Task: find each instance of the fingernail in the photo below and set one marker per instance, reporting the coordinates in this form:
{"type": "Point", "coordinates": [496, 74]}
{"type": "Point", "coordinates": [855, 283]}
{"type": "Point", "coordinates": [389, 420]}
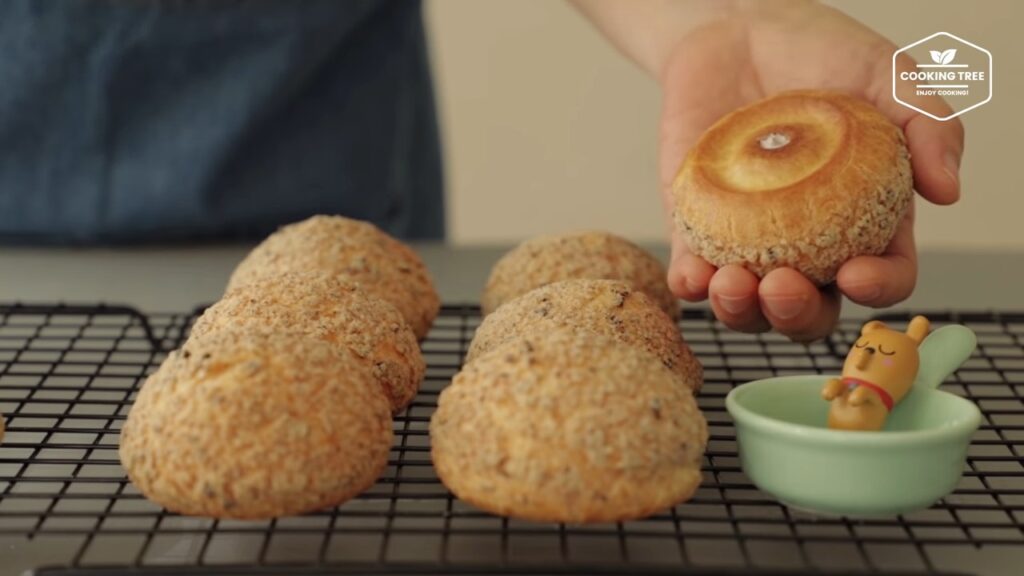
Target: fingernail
{"type": "Point", "coordinates": [785, 308]}
{"type": "Point", "coordinates": [734, 304]}
{"type": "Point", "coordinates": [693, 286]}
{"type": "Point", "coordinates": [865, 292]}
{"type": "Point", "coordinates": [951, 165]}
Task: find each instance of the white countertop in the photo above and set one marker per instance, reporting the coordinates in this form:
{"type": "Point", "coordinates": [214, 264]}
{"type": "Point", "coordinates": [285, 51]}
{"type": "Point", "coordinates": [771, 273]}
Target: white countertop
{"type": "Point", "coordinates": [175, 279]}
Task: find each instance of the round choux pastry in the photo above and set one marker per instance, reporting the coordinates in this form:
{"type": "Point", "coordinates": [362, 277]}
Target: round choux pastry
{"type": "Point", "coordinates": [349, 250]}
{"type": "Point", "coordinates": [568, 426]}
{"type": "Point", "coordinates": [256, 425]}
{"type": "Point", "coordinates": [609, 307]}
{"type": "Point", "coordinates": [329, 309]}
{"type": "Point", "coordinates": [805, 179]}
{"type": "Point", "coordinates": [596, 255]}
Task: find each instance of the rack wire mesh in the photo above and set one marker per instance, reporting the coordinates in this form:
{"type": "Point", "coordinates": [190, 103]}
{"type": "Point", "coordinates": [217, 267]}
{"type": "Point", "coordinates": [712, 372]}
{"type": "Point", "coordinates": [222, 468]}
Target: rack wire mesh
{"type": "Point", "coordinates": [68, 375]}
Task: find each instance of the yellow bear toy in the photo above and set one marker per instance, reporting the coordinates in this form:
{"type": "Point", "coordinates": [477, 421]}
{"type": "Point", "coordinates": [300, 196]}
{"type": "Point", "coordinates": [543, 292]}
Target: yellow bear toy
{"type": "Point", "coordinates": [877, 374]}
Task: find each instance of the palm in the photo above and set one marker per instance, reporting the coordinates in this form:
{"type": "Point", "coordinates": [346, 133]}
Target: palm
{"type": "Point", "coordinates": [751, 56]}
{"type": "Point", "coordinates": [728, 65]}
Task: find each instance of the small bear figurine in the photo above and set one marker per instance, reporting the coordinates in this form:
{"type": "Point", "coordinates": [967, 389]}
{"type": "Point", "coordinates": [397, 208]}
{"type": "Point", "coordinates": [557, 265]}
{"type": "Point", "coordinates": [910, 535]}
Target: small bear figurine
{"type": "Point", "coordinates": [877, 374]}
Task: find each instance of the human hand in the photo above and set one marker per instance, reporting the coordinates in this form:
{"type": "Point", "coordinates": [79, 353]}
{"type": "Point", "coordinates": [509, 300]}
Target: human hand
{"type": "Point", "coordinates": [760, 49]}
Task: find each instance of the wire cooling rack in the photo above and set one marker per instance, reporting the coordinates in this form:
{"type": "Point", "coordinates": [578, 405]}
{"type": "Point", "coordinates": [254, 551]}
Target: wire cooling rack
{"type": "Point", "coordinates": [68, 375]}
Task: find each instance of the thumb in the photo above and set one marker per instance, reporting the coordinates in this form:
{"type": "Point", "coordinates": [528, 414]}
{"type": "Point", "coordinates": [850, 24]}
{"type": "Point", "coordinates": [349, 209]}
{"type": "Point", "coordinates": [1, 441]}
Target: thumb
{"type": "Point", "coordinates": [935, 151]}
{"type": "Point", "coordinates": [935, 146]}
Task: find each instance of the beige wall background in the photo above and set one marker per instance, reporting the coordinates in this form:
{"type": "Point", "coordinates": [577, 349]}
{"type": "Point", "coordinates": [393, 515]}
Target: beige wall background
{"type": "Point", "coordinates": [547, 128]}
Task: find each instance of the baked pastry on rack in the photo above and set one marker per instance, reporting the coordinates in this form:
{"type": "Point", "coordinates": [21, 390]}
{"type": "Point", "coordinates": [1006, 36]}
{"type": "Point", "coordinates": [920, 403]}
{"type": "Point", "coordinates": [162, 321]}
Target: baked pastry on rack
{"type": "Point", "coordinates": [609, 307]}
{"type": "Point", "coordinates": [332, 310]}
{"type": "Point", "coordinates": [806, 180]}
{"type": "Point", "coordinates": [350, 250]}
{"type": "Point", "coordinates": [249, 424]}
{"type": "Point", "coordinates": [568, 426]}
{"type": "Point", "coordinates": [596, 255]}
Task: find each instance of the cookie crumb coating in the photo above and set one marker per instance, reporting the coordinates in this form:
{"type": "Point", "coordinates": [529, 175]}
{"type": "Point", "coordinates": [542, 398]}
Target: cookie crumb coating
{"type": "Point", "coordinates": [351, 250]}
{"type": "Point", "coordinates": [332, 310]}
{"type": "Point", "coordinates": [256, 425]}
{"type": "Point", "coordinates": [609, 307]}
{"type": "Point", "coordinates": [594, 255]}
{"type": "Point", "coordinates": [568, 426]}
{"type": "Point", "coordinates": [835, 186]}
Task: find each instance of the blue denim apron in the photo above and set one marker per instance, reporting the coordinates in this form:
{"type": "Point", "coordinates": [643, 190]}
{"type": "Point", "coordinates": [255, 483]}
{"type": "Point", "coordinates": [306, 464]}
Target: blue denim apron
{"type": "Point", "coordinates": [158, 120]}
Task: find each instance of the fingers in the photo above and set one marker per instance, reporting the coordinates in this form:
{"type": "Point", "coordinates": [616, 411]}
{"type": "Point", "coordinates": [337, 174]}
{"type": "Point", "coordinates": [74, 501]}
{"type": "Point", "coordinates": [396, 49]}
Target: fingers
{"type": "Point", "coordinates": [733, 295]}
{"type": "Point", "coordinates": [796, 307]}
{"type": "Point", "coordinates": [784, 299]}
{"type": "Point", "coordinates": [880, 281]}
{"type": "Point", "coordinates": [935, 146]}
{"type": "Point", "coordinates": [688, 274]}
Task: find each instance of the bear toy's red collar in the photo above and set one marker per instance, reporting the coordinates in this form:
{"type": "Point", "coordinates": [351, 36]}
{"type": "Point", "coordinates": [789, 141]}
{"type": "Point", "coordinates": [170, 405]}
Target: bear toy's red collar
{"type": "Point", "coordinates": [882, 392]}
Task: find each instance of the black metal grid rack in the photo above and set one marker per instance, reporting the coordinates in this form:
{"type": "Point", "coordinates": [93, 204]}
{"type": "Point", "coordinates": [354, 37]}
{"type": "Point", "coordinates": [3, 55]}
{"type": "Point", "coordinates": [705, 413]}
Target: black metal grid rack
{"type": "Point", "coordinates": [68, 376]}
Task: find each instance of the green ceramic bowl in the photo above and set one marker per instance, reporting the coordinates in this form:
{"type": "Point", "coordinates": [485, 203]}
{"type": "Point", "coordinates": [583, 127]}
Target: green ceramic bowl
{"type": "Point", "coordinates": [788, 451]}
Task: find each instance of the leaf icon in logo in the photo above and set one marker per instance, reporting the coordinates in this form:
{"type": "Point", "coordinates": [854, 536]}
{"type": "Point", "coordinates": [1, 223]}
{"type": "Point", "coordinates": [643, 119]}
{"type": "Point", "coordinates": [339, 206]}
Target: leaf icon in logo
{"type": "Point", "coordinates": [944, 57]}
